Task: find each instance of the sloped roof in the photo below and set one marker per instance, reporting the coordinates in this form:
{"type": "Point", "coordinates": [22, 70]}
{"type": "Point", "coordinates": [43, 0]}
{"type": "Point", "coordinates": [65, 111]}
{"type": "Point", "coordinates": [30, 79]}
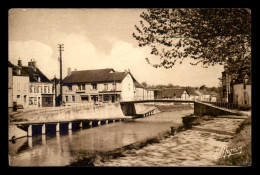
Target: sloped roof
{"type": "Point", "coordinates": [98, 75]}
{"type": "Point", "coordinates": [191, 91]}
{"type": "Point", "coordinates": [33, 75]}
{"type": "Point", "coordinates": [203, 91]}
{"type": "Point", "coordinates": [137, 84]}
{"type": "Point", "coordinates": [240, 78]}
{"type": "Point", "coordinates": [10, 64]}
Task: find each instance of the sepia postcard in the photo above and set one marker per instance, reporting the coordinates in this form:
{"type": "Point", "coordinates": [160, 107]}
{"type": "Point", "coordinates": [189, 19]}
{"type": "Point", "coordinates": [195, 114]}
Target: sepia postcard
{"type": "Point", "coordinates": [122, 87]}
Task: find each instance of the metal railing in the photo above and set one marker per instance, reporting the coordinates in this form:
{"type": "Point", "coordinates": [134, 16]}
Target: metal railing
{"type": "Point", "coordinates": [224, 104]}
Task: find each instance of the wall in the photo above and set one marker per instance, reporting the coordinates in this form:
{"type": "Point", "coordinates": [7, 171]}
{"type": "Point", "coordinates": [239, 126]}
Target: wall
{"type": "Point", "coordinates": [68, 113]}
{"type": "Point", "coordinates": [239, 94]}
{"type": "Point", "coordinates": [21, 88]}
{"type": "Point", "coordinates": [127, 93]}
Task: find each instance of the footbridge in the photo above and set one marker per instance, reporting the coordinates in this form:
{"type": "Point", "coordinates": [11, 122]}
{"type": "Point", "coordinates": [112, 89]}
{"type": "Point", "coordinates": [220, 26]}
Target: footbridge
{"type": "Point", "coordinates": [200, 108]}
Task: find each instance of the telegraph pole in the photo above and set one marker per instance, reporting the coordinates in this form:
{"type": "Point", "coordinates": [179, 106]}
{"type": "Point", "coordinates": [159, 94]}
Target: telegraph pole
{"type": "Point", "coordinates": [61, 48]}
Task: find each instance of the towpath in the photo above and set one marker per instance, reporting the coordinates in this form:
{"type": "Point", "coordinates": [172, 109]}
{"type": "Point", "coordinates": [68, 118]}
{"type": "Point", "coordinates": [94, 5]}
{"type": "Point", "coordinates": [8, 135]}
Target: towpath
{"type": "Point", "coordinates": [199, 146]}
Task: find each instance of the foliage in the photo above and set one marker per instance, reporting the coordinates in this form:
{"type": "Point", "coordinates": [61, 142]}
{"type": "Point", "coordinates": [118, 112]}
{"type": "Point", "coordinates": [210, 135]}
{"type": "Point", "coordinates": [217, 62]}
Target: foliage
{"type": "Point", "coordinates": [208, 36]}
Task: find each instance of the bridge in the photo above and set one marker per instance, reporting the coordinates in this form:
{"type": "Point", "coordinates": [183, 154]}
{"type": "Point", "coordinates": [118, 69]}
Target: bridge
{"type": "Point", "coordinates": [127, 108]}
{"type": "Point", "coordinates": [200, 108]}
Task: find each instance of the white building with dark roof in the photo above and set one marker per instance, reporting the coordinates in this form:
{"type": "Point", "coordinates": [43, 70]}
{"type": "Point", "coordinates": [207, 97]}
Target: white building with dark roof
{"type": "Point", "coordinates": [98, 86]}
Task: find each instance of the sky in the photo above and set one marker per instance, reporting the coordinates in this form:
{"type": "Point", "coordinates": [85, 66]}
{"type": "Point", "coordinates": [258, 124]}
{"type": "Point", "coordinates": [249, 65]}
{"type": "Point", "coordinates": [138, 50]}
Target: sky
{"type": "Point", "coordinates": [94, 39]}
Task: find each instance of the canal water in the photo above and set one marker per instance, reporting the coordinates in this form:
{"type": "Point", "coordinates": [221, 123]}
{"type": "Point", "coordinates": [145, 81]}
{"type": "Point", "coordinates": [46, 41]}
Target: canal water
{"type": "Point", "coordinates": [61, 149]}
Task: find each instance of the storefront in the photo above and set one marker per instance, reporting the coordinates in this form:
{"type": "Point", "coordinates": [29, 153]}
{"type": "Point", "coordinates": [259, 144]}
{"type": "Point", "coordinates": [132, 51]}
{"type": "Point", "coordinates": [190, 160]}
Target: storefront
{"type": "Point", "coordinates": [47, 100]}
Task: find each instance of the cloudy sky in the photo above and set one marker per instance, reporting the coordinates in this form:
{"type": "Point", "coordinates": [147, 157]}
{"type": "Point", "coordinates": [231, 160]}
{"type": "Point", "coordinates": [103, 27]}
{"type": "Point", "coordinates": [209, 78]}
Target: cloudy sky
{"type": "Point", "coordinates": [93, 39]}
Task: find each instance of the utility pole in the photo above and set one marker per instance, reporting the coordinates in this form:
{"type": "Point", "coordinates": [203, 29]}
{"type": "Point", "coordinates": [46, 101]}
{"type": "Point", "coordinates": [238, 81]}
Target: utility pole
{"type": "Point", "coordinates": [61, 48]}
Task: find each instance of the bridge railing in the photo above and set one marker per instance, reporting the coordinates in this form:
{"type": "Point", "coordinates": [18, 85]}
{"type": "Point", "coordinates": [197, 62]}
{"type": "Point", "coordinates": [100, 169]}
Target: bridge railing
{"type": "Point", "coordinates": [224, 105]}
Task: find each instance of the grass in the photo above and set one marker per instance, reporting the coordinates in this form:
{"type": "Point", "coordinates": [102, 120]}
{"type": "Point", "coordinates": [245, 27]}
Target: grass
{"type": "Point", "coordinates": [243, 138]}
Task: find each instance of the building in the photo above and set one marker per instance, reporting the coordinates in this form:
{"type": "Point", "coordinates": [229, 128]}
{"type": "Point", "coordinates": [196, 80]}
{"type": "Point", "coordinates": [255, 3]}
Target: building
{"type": "Point", "coordinates": [204, 95]}
{"type": "Point", "coordinates": [20, 86]}
{"type": "Point", "coordinates": [236, 87]}
{"type": "Point", "coordinates": [98, 86]}
{"type": "Point", "coordinates": [193, 94]}
{"type": "Point", "coordinates": [242, 90]}
{"type": "Point", "coordinates": [10, 87]}
{"type": "Point", "coordinates": [172, 93]}
{"type": "Point", "coordinates": [31, 88]}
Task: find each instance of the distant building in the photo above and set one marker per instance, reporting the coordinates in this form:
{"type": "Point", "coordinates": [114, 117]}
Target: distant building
{"type": "Point", "coordinates": [204, 95]}
{"type": "Point", "coordinates": [172, 93]}
{"type": "Point", "coordinates": [193, 94]}
{"type": "Point", "coordinates": [31, 88]}
{"type": "Point", "coordinates": [99, 86]}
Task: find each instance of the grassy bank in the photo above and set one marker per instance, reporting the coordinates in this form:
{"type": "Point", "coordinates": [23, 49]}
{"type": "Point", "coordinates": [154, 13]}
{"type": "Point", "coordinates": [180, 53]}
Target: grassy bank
{"type": "Point", "coordinates": [242, 138]}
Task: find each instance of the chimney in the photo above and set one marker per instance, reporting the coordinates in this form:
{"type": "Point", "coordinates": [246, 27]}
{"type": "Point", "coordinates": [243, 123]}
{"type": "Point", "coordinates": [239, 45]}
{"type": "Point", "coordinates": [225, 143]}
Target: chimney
{"type": "Point", "coordinates": [19, 63]}
{"type": "Point", "coordinates": [32, 64]}
{"type": "Point", "coordinates": [75, 69]}
{"type": "Point", "coordinates": [69, 71]}
{"type": "Point", "coordinates": [39, 79]}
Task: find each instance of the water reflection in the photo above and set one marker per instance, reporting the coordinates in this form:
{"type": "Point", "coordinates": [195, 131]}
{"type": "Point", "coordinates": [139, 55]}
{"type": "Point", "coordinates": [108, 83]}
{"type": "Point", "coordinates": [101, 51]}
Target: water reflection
{"type": "Point", "coordinates": [63, 148]}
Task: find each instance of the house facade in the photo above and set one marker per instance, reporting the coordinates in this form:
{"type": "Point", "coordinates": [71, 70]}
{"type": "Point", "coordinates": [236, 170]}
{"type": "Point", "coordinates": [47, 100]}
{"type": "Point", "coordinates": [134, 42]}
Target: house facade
{"type": "Point", "coordinates": [98, 86]}
{"type": "Point", "coordinates": [236, 87]}
{"type": "Point", "coordinates": [193, 94]}
{"type": "Point", "coordinates": [242, 90]}
{"type": "Point", "coordinates": [31, 88]}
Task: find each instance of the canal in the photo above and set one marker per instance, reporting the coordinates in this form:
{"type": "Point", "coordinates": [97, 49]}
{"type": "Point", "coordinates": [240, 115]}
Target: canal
{"type": "Point", "coordinates": [64, 148]}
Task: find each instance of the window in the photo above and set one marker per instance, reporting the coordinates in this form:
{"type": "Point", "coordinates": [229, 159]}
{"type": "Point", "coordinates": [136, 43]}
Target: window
{"type": "Point", "coordinates": [73, 98]}
{"type": "Point", "coordinates": [105, 87]}
{"type": "Point", "coordinates": [81, 86]}
{"type": "Point", "coordinates": [31, 101]}
{"type": "Point", "coordinates": [45, 89]}
{"type": "Point", "coordinates": [66, 98]}
{"type": "Point", "coordinates": [94, 86]}
{"type": "Point", "coordinates": [34, 87]}
{"type": "Point", "coordinates": [70, 87]}
{"type": "Point", "coordinates": [18, 96]}
{"type": "Point", "coordinates": [106, 98]}
{"type": "Point", "coordinates": [37, 89]}
{"type": "Point", "coordinates": [35, 100]}
{"type": "Point", "coordinates": [84, 98]}
{"type": "Point", "coordinates": [114, 86]}
{"type": "Point", "coordinates": [24, 97]}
